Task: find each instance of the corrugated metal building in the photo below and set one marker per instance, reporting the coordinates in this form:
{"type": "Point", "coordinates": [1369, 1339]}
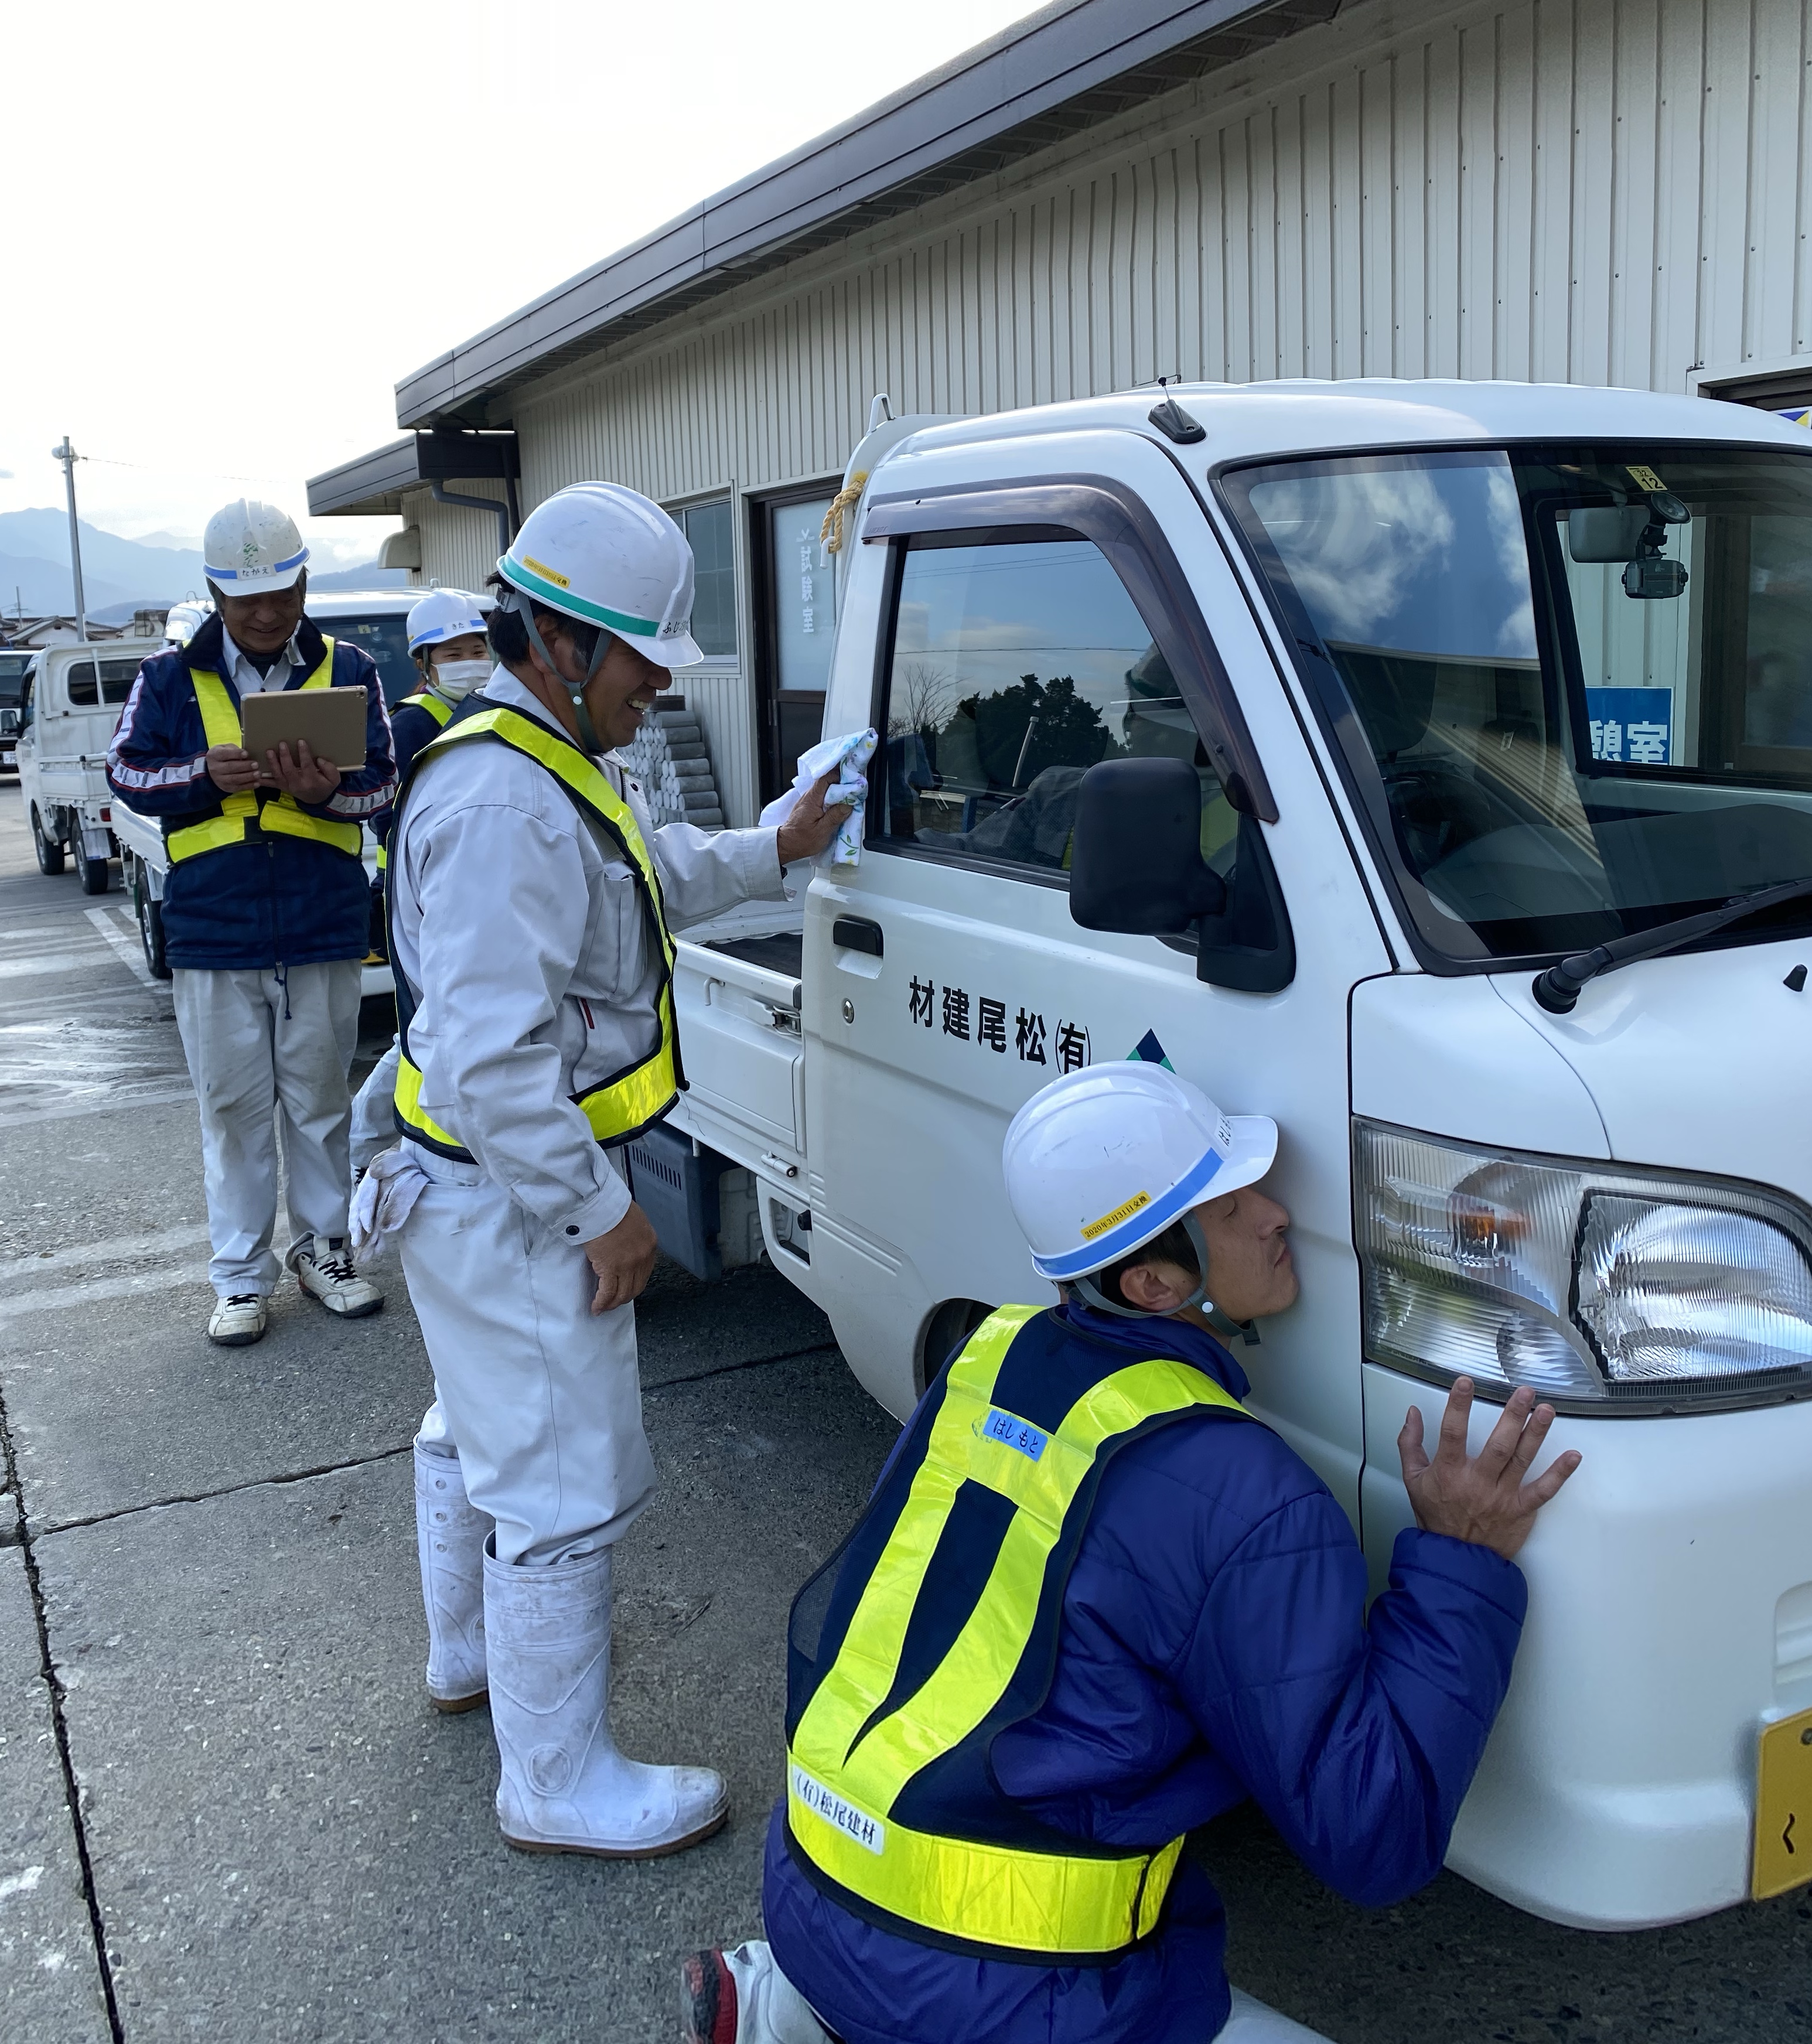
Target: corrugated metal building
{"type": "Point", "coordinates": [1590, 191]}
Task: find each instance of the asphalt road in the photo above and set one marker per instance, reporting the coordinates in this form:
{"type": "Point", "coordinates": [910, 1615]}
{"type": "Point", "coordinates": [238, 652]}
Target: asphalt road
{"type": "Point", "coordinates": [226, 1811]}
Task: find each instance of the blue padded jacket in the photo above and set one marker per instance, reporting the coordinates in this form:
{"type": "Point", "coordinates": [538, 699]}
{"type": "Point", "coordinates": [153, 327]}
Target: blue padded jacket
{"type": "Point", "coordinates": [1215, 1645]}
{"type": "Point", "coordinates": [274, 900]}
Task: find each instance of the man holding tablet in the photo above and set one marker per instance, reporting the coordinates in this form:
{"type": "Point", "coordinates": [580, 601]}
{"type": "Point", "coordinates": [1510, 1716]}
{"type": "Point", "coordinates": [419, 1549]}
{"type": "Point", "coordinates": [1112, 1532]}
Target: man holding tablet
{"type": "Point", "coordinates": [266, 907]}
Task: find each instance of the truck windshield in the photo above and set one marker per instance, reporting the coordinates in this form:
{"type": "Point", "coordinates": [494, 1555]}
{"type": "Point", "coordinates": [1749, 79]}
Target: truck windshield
{"type": "Point", "coordinates": [1573, 686]}
{"type": "Point", "coordinates": [13, 668]}
{"type": "Point", "coordinates": [387, 640]}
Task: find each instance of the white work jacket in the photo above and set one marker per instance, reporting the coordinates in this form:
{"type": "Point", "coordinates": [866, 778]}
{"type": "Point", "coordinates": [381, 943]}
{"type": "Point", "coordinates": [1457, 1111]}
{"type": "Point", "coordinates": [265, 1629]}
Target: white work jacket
{"type": "Point", "coordinates": [520, 927]}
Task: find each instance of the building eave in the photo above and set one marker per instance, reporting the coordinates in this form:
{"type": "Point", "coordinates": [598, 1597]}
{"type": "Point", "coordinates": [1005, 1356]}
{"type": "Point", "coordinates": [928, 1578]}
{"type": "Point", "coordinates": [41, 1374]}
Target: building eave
{"type": "Point", "coordinates": [1062, 70]}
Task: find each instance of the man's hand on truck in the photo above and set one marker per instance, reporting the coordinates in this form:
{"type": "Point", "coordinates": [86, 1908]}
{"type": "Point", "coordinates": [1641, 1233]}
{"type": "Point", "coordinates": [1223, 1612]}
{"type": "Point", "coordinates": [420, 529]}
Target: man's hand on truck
{"type": "Point", "coordinates": [1482, 1498]}
{"type": "Point", "coordinates": [623, 1260]}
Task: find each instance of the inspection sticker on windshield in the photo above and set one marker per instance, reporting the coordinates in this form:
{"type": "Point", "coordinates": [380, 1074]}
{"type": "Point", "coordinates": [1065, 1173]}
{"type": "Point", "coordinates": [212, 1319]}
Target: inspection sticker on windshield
{"type": "Point", "coordinates": [1644, 479]}
{"type": "Point", "coordinates": [1029, 1440]}
{"type": "Point", "coordinates": [866, 1831]}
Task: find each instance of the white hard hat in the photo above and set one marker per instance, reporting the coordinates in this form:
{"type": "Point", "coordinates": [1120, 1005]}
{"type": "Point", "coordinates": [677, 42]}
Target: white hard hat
{"type": "Point", "coordinates": [186, 619]}
{"type": "Point", "coordinates": [249, 548]}
{"type": "Point", "coordinates": [1103, 1161]}
{"type": "Point", "coordinates": [613, 558]}
{"type": "Point", "coordinates": [441, 615]}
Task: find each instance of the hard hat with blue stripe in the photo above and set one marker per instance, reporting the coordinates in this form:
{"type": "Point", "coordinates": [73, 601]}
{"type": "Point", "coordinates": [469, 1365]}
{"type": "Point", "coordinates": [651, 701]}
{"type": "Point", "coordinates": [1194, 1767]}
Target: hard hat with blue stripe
{"type": "Point", "coordinates": [249, 548]}
{"type": "Point", "coordinates": [443, 614]}
{"type": "Point", "coordinates": [1103, 1161]}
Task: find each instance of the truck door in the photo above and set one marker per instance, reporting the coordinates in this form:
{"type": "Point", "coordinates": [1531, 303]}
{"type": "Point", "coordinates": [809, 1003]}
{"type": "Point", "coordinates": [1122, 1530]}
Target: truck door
{"type": "Point", "coordinates": [1026, 629]}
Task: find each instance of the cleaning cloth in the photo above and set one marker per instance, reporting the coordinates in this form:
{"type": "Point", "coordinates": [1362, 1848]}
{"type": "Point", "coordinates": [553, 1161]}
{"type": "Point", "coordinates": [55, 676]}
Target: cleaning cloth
{"type": "Point", "coordinates": [849, 756]}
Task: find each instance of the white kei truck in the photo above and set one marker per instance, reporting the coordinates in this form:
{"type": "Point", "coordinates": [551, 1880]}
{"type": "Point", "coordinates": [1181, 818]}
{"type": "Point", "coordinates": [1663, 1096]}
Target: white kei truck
{"type": "Point", "coordinates": [1429, 768]}
{"type": "Point", "coordinates": [71, 700]}
{"type": "Point", "coordinates": [375, 621]}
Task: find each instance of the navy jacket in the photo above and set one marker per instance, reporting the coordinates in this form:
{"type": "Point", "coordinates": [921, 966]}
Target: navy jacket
{"type": "Point", "coordinates": [271, 902]}
{"type": "Point", "coordinates": [1215, 1645]}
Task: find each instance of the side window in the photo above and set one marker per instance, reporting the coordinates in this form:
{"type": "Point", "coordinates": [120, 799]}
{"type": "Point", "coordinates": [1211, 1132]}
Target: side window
{"type": "Point", "coordinates": [83, 692]}
{"type": "Point", "coordinates": [116, 679]}
{"type": "Point", "coordinates": [1018, 661]}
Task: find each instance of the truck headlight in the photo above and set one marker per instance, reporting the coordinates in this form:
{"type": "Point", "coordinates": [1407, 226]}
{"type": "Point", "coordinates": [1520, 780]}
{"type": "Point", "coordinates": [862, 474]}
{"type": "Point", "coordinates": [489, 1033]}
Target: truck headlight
{"type": "Point", "coordinates": [1588, 1282]}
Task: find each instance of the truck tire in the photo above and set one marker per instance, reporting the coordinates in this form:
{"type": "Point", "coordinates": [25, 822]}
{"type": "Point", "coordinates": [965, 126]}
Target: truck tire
{"type": "Point", "coordinates": [49, 850]}
{"type": "Point", "coordinates": [150, 929]}
{"type": "Point", "coordinates": [95, 874]}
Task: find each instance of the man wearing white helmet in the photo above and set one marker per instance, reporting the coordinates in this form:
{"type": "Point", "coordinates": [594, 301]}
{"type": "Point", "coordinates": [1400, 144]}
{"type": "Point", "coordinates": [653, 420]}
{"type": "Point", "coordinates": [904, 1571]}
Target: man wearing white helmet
{"type": "Point", "coordinates": [266, 910]}
{"type": "Point", "coordinates": [446, 642]}
{"type": "Point", "coordinates": [1094, 1603]}
{"type": "Point", "coordinates": [531, 906]}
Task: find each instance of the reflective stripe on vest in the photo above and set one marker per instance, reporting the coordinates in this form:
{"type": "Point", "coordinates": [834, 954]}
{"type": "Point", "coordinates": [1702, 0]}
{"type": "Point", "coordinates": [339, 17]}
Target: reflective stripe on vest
{"type": "Point", "coordinates": [621, 1106]}
{"type": "Point", "coordinates": [426, 699]}
{"type": "Point", "coordinates": [856, 1749]}
{"type": "Point", "coordinates": [281, 813]}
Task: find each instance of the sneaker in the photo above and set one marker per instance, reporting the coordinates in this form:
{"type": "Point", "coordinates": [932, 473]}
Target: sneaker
{"type": "Point", "coordinates": [326, 1271]}
{"type": "Point", "coordinates": [237, 1322]}
{"type": "Point", "coordinates": [708, 2000]}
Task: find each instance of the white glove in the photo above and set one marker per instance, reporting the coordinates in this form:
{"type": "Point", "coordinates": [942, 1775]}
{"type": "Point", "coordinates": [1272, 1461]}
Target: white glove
{"type": "Point", "coordinates": [386, 1195]}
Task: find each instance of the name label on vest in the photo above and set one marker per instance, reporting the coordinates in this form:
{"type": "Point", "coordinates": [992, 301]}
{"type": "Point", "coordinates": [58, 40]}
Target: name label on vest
{"type": "Point", "coordinates": [1015, 1433]}
{"type": "Point", "coordinates": [866, 1831]}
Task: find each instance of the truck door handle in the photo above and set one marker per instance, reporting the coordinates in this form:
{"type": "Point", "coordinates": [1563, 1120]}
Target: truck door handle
{"type": "Point", "coordinates": [857, 933]}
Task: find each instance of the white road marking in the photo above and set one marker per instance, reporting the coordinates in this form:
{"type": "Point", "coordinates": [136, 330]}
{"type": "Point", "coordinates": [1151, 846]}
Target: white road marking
{"type": "Point", "coordinates": [113, 1104]}
{"type": "Point", "coordinates": [62, 1298]}
{"type": "Point", "coordinates": [132, 955]}
{"type": "Point", "coordinates": [84, 960]}
{"type": "Point", "coordinates": [116, 1249]}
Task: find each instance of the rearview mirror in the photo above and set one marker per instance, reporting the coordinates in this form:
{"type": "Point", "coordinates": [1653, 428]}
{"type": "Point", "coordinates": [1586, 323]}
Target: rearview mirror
{"type": "Point", "coordinates": [1612, 532]}
{"type": "Point", "coordinates": [1136, 862]}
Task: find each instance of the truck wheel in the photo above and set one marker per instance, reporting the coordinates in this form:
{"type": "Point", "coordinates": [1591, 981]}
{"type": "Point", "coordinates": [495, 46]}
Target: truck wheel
{"type": "Point", "coordinates": [49, 851]}
{"type": "Point", "coordinates": [95, 874]}
{"type": "Point", "coordinates": [150, 929]}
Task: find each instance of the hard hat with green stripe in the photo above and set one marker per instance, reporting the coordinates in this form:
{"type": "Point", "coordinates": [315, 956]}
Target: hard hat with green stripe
{"type": "Point", "coordinates": [609, 557]}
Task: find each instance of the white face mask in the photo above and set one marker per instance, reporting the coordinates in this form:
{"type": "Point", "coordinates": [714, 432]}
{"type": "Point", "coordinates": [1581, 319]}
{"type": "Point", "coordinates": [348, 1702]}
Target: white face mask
{"type": "Point", "coordinates": [455, 679]}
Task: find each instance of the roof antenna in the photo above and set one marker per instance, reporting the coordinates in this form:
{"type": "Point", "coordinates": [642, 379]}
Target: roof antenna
{"type": "Point", "coordinates": [1173, 422]}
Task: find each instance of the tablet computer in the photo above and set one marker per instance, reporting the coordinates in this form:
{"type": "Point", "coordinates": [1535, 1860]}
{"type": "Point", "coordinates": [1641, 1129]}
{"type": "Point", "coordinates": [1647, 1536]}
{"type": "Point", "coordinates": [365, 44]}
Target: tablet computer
{"type": "Point", "coordinates": [332, 720]}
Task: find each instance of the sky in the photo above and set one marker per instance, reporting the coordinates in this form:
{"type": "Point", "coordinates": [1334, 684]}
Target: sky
{"type": "Point", "coordinates": [247, 225]}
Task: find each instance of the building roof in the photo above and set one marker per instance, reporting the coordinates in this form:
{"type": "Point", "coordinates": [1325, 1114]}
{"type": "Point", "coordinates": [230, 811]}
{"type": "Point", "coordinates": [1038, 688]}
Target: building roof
{"type": "Point", "coordinates": [1063, 69]}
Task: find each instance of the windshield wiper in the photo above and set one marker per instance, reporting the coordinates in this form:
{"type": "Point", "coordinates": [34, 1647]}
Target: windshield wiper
{"type": "Point", "coordinates": [1557, 989]}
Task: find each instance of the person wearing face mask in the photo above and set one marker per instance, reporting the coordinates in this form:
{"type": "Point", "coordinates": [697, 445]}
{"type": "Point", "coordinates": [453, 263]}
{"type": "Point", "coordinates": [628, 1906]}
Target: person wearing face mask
{"type": "Point", "coordinates": [446, 642]}
{"type": "Point", "coordinates": [531, 908]}
{"type": "Point", "coordinates": [1094, 1602]}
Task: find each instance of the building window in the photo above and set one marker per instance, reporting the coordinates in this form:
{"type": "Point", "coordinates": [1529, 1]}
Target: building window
{"type": "Point", "coordinates": [707, 526]}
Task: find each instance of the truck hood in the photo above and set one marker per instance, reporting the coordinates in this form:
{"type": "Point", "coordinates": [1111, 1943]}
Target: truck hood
{"type": "Point", "coordinates": [1696, 1063]}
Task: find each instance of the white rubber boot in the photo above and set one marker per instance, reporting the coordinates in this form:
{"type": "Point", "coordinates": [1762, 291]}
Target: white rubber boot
{"type": "Point", "coordinates": [565, 1788]}
{"type": "Point", "coordinates": [450, 1537]}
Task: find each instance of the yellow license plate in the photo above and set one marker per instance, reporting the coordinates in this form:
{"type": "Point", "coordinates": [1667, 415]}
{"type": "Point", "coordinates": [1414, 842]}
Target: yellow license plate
{"type": "Point", "coordinates": [1783, 1808]}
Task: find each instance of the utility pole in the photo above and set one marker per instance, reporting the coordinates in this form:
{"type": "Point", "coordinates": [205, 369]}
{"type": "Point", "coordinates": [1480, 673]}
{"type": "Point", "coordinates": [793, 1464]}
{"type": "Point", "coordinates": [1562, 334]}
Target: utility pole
{"type": "Point", "coordinates": [67, 455]}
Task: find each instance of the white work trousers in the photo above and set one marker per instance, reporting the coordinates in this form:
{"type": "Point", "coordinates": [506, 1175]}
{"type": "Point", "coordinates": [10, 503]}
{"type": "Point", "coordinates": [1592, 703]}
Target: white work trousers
{"type": "Point", "coordinates": [542, 1400]}
{"type": "Point", "coordinates": [270, 1052]}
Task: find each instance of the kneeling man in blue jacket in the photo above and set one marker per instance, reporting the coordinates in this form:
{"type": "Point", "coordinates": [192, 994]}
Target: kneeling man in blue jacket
{"type": "Point", "coordinates": [1092, 1603]}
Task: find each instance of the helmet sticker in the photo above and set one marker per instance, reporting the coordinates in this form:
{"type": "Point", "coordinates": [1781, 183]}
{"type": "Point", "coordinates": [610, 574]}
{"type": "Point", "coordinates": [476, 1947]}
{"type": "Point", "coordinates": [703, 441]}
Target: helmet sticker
{"type": "Point", "coordinates": [546, 574]}
{"type": "Point", "coordinates": [1124, 1211]}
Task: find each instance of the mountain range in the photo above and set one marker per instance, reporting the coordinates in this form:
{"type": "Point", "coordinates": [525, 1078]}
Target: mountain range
{"type": "Point", "coordinates": [119, 576]}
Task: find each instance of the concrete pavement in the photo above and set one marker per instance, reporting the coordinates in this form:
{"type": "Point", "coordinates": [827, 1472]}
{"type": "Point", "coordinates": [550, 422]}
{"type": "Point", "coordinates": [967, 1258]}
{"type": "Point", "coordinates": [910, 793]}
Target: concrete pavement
{"type": "Point", "coordinates": [225, 1810]}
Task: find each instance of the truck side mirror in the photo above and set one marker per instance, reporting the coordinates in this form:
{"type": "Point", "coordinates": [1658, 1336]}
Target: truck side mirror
{"type": "Point", "coordinates": [1136, 863]}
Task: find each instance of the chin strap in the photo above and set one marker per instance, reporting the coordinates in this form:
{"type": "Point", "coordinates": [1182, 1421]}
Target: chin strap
{"type": "Point", "coordinates": [1247, 1330]}
{"type": "Point", "coordinates": [514, 601]}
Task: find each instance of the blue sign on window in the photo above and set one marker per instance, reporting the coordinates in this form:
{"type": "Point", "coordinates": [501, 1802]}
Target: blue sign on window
{"type": "Point", "coordinates": [1632, 725]}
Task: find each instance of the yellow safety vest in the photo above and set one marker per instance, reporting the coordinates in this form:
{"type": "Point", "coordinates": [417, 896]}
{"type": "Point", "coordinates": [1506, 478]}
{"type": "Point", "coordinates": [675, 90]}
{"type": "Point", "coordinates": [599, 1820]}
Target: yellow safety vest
{"type": "Point", "coordinates": [243, 814]}
{"type": "Point", "coordinates": [426, 699]}
{"type": "Point", "coordinates": [618, 1108]}
{"type": "Point", "coordinates": [888, 1808]}
{"type": "Point", "coordinates": [440, 711]}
